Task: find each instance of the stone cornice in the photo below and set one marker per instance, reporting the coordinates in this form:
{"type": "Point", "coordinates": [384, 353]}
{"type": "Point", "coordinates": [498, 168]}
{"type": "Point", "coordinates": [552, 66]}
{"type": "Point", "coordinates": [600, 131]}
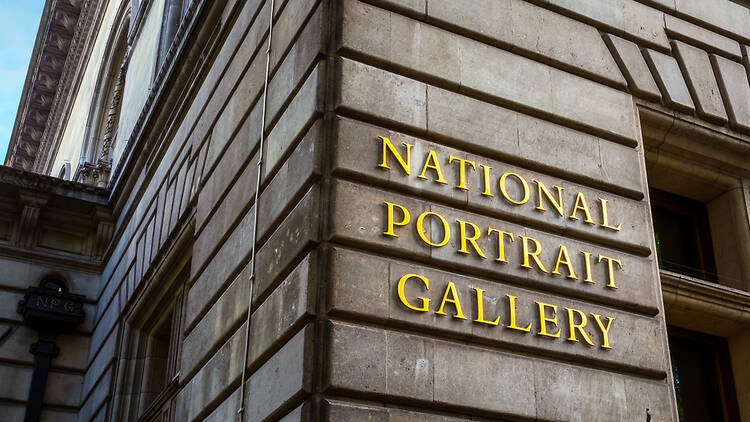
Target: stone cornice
{"type": "Point", "coordinates": [66, 87]}
{"type": "Point", "coordinates": [52, 186]}
{"type": "Point", "coordinates": [54, 43]}
{"type": "Point", "coordinates": [695, 304]}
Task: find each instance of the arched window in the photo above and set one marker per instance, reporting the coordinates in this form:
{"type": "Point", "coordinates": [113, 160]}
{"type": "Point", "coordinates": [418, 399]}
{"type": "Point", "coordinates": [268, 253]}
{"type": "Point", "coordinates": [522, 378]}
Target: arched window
{"type": "Point", "coordinates": [54, 283]}
{"type": "Point", "coordinates": [96, 155]}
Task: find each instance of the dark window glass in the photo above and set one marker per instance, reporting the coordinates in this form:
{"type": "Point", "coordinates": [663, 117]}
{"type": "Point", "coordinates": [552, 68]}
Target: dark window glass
{"type": "Point", "coordinates": [683, 237]}
{"type": "Point", "coordinates": [702, 377]}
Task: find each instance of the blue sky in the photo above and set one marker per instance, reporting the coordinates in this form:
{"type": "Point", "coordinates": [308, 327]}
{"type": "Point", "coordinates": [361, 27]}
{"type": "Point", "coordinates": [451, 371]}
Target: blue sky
{"type": "Point", "coordinates": [19, 21]}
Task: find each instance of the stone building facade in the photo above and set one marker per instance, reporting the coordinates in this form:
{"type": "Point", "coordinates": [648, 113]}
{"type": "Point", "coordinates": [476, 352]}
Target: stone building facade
{"type": "Point", "coordinates": [379, 210]}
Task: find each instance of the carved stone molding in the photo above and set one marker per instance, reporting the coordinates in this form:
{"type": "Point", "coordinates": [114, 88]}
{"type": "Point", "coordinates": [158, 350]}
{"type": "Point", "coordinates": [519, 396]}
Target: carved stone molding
{"type": "Point", "coordinates": [49, 73]}
{"type": "Point", "coordinates": [104, 231]}
{"type": "Point", "coordinates": [31, 204]}
{"type": "Point", "coordinates": [93, 174]}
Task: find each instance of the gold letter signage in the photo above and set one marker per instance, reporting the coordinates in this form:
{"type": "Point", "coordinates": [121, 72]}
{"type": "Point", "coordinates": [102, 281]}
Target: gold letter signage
{"type": "Point", "coordinates": [467, 238]}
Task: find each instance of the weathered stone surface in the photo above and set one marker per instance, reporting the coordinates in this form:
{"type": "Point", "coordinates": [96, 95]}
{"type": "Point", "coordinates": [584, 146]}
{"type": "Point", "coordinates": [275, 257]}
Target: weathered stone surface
{"type": "Point", "coordinates": [292, 180]}
{"type": "Point", "coordinates": [497, 132]}
{"type": "Point", "coordinates": [99, 361]}
{"type": "Point", "coordinates": [667, 73]}
{"type": "Point", "coordinates": [19, 274]}
{"type": "Point", "coordinates": [533, 30]}
{"type": "Point", "coordinates": [291, 304]}
{"type": "Point", "coordinates": [631, 17]}
{"type": "Point", "coordinates": [249, 88]}
{"type": "Point", "coordinates": [412, 7]}
{"type": "Point", "coordinates": [357, 142]}
{"type": "Point", "coordinates": [16, 412]}
{"type": "Point", "coordinates": [471, 66]}
{"type": "Point", "coordinates": [711, 41]}
{"type": "Point", "coordinates": [219, 269]}
{"type": "Point", "coordinates": [94, 400]}
{"type": "Point", "coordinates": [223, 370]}
{"type": "Point", "coordinates": [358, 217]}
{"type": "Point", "coordinates": [701, 82]}
{"type": "Point", "coordinates": [666, 4]}
{"type": "Point", "coordinates": [301, 169]}
{"type": "Point", "coordinates": [723, 14]}
{"type": "Point", "coordinates": [340, 411]}
{"type": "Point", "coordinates": [363, 360]}
{"type": "Point", "coordinates": [489, 129]}
{"type": "Point", "coordinates": [63, 389]}
{"type": "Point", "coordinates": [286, 306]}
{"type": "Point", "coordinates": [301, 113]}
{"type": "Point", "coordinates": [285, 376]}
{"type": "Point", "coordinates": [385, 95]}
{"type": "Point", "coordinates": [632, 64]}
{"type": "Point", "coordinates": [302, 56]}
{"type": "Point", "coordinates": [227, 410]}
{"type": "Point", "coordinates": [212, 227]}
{"type": "Point", "coordinates": [215, 377]}
{"type": "Point", "coordinates": [735, 89]}
{"type": "Point", "coordinates": [16, 340]}
{"type": "Point", "coordinates": [296, 64]}
{"type": "Point", "coordinates": [576, 393]}
{"type": "Point", "coordinates": [370, 293]}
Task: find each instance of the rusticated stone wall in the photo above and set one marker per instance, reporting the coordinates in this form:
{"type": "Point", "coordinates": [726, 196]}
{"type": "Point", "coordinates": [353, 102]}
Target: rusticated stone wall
{"type": "Point", "coordinates": [453, 221]}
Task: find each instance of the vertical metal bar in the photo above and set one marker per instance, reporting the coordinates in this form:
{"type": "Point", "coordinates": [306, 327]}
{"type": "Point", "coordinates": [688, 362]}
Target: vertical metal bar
{"type": "Point", "coordinates": [44, 350]}
{"type": "Point", "coordinates": [241, 410]}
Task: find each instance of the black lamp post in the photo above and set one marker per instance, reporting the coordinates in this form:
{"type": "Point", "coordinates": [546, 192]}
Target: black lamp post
{"type": "Point", "coordinates": [50, 310]}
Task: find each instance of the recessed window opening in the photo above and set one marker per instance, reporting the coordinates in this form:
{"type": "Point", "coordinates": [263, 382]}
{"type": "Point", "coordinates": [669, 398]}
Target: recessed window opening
{"type": "Point", "coordinates": [703, 379]}
{"type": "Point", "coordinates": [683, 235]}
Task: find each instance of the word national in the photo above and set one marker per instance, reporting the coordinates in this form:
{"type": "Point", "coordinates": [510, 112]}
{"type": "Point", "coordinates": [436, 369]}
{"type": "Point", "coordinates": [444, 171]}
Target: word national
{"type": "Point", "coordinates": [512, 187]}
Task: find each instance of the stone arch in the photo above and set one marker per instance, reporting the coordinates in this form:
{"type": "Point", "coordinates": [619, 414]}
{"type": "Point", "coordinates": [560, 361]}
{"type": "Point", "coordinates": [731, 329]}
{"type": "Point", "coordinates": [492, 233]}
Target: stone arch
{"type": "Point", "coordinates": [95, 162]}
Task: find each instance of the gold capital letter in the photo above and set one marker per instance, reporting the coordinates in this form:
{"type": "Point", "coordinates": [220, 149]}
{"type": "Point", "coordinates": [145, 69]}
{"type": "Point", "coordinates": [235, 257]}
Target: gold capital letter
{"type": "Point", "coordinates": [564, 258]}
{"type": "Point", "coordinates": [486, 180]}
{"type": "Point", "coordinates": [462, 170]}
{"type": "Point", "coordinates": [480, 310]}
{"type": "Point", "coordinates": [605, 217]}
{"type": "Point", "coordinates": [543, 320]}
{"type": "Point", "coordinates": [425, 302]}
{"type": "Point", "coordinates": [390, 223]}
{"type": "Point", "coordinates": [577, 327]}
{"type": "Point", "coordinates": [610, 269]}
{"type": "Point", "coordinates": [451, 289]}
{"type": "Point", "coordinates": [505, 192]}
{"type": "Point", "coordinates": [544, 193]}
{"type": "Point", "coordinates": [581, 205]}
{"type": "Point", "coordinates": [512, 315]}
{"type": "Point", "coordinates": [587, 261]}
{"type": "Point", "coordinates": [500, 245]}
{"type": "Point", "coordinates": [420, 229]}
{"type": "Point", "coordinates": [388, 146]}
{"type": "Point", "coordinates": [466, 239]}
{"type": "Point", "coordinates": [431, 163]}
{"type": "Point", "coordinates": [533, 255]}
{"type": "Point", "coordinates": [604, 330]}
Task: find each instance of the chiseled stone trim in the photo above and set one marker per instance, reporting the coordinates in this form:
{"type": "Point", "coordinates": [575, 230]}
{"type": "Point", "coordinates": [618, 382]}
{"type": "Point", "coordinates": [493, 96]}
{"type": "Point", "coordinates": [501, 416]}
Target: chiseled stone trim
{"type": "Point", "coordinates": [68, 80]}
{"type": "Point", "coordinates": [52, 185]}
{"type": "Point", "coordinates": [165, 70]}
{"type": "Point", "coordinates": [49, 63]}
{"type": "Point", "coordinates": [704, 299]}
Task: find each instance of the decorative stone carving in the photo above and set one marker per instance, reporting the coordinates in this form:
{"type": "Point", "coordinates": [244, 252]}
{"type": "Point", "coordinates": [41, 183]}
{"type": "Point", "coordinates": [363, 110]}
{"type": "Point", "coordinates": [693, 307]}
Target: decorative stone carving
{"type": "Point", "coordinates": [113, 111]}
{"type": "Point", "coordinates": [31, 203]}
{"type": "Point", "coordinates": [94, 174]}
{"type": "Point", "coordinates": [104, 231]}
{"type": "Point", "coordinates": [48, 59]}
